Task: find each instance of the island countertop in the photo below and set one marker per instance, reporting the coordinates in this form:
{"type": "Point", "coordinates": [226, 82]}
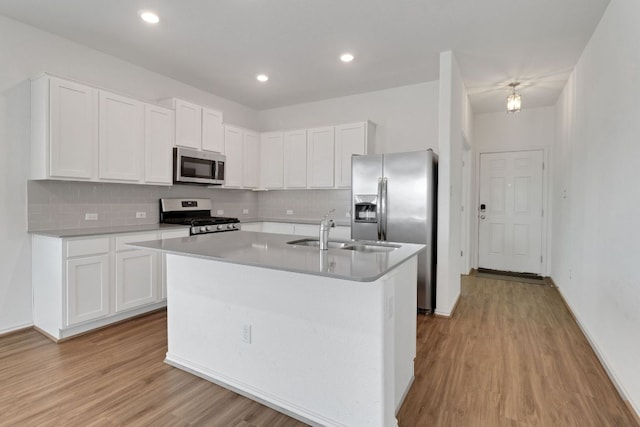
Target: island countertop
{"type": "Point", "coordinates": [272, 251]}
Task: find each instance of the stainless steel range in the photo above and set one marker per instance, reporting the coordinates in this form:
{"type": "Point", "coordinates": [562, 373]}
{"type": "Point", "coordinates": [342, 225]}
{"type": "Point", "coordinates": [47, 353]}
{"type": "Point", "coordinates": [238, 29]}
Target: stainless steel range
{"type": "Point", "coordinates": [197, 214]}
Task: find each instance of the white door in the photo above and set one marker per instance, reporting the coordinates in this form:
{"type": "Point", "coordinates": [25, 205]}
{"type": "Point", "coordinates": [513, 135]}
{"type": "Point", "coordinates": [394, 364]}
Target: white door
{"type": "Point", "coordinates": [212, 131]}
{"type": "Point", "coordinates": [233, 147]}
{"type": "Point", "coordinates": [121, 138]}
{"type": "Point", "coordinates": [295, 159]}
{"type": "Point", "coordinates": [136, 279]}
{"type": "Point", "coordinates": [251, 159]}
{"type": "Point", "coordinates": [320, 155]}
{"type": "Point", "coordinates": [350, 140]}
{"type": "Point", "coordinates": [510, 211]}
{"type": "Point", "coordinates": [271, 160]}
{"type": "Point", "coordinates": [188, 124]}
{"type": "Point", "coordinates": [158, 141]}
{"type": "Point", "coordinates": [87, 288]}
{"type": "Point", "coordinates": [74, 129]}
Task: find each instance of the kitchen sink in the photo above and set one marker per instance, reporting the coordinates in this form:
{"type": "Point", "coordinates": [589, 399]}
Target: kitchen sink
{"type": "Point", "coordinates": [348, 245]}
{"type": "Point", "coordinates": [332, 244]}
{"type": "Point", "coordinates": [370, 247]}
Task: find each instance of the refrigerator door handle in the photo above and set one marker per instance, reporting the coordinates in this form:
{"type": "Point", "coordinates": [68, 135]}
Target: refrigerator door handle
{"type": "Point", "coordinates": [382, 222]}
{"type": "Point", "coordinates": [379, 209]}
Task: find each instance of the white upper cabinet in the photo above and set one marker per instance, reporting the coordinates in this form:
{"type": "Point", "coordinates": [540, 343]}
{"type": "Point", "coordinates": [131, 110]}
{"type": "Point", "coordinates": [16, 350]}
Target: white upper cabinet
{"type": "Point", "coordinates": [64, 135]}
{"type": "Point", "coordinates": [251, 159]}
{"type": "Point", "coordinates": [158, 142]}
{"type": "Point", "coordinates": [197, 127]}
{"type": "Point", "coordinates": [188, 124]}
{"type": "Point", "coordinates": [271, 160]}
{"type": "Point", "coordinates": [212, 130]}
{"type": "Point", "coordinates": [320, 157]}
{"type": "Point", "coordinates": [295, 158]}
{"type": "Point", "coordinates": [350, 139]}
{"type": "Point", "coordinates": [121, 138]}
{"type": "Point", "coordinates": [233, 148]}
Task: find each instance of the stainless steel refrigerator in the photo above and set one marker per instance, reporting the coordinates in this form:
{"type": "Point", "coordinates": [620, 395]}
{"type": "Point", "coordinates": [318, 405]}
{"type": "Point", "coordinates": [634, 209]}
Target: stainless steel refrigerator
{"type": "Point", "coordinates": [393, 198]}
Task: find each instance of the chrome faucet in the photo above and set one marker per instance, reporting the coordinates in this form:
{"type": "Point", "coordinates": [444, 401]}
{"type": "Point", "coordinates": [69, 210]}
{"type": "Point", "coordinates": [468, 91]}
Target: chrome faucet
{"type": "Point", "coordinates": [325, 226]}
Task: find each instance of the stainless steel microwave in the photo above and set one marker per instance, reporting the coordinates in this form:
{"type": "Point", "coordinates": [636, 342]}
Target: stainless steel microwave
{"type": "Point", "coordinates": [198, 167]}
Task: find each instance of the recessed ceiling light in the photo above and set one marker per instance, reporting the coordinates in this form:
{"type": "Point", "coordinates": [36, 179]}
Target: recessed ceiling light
{"type": "Point", "coordinates": [262, 78]}
{"type": "Point", "coordinates": [148, 16]}
{"type": "Point", "coordinates": [346, 57]}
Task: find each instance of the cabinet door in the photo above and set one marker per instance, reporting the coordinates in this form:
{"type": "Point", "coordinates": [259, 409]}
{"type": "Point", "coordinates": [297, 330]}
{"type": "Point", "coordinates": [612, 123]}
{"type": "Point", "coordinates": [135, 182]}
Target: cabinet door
{"type": "Point", "coordinates": [188, 124]}
{"type": "Point", "coordinates": [295, 159]}
{"type": "Point", "coordinates": [212, 130]}
{"type": "Point", "coordinates": [320, 163]}
{"type": "Point", "coordinates": [271, 160]}
{"type": "Point", "coordinates": [277, 227]}
{"type": "Point", "coordinates": [158, 142]}
{"type": "Point", "coordinates": [136, 279]}
{"type": "Point", "coordinates": [251, 226]}
{"type": "Point", "coordinates": [87, 288]}
{"type": "Point", "coordinates": [308, 230]}
{"type": "Point", "coordinates": [233, 150]}
{"type": "Point", "coordinates": [73, 130]}
{"type": "Point", "coordinates": [350, 140]}
{"type": "Point", "coordinates": [121, 138]}
{"type": "Point", "coordinates": [251, 160]}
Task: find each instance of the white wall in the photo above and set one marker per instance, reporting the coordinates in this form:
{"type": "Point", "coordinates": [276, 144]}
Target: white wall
{"type": "Point", "coordinates": [532, 128]}
{"type": "Point", "coordinates": [406, 117]}
{"type": "Point", "coordinates": [454, 127]}
{"type": "Point", "coordinates": [25, 52]}
{"type": "Point", "coordinates": [597, 196]}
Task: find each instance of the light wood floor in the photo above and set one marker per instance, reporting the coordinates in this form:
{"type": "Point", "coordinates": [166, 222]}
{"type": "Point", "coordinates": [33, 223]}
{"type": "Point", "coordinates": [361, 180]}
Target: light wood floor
{"type": "Point", "coordinates": [511, 356]}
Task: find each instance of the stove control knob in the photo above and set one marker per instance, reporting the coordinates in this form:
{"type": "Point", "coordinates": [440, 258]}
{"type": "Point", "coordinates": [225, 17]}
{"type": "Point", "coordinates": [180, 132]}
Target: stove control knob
{"type": "Point", "coordinates": [203, 229]}
{"type": "Point", "coordinates": [221, 227]}
{"type": "Point", "coordinates": [230, 227]}
{"type": "Point", "coordinates": [209, 228]}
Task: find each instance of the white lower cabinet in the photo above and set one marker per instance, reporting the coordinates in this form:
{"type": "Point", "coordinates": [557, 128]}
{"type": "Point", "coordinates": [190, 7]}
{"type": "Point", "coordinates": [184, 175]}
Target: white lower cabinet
{"type": "Point", "coordinates": [136, 279]}
{"type": "Point", "coordinates": [308, 230]}
{"type": "Point", "coordinates": [87, 288]}
{"type": "Point", "coordinates": [84, 283]}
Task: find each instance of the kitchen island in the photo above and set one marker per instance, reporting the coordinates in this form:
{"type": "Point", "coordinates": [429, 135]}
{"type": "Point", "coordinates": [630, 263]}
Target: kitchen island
{"type": "Point", "coordinates": [327, 337]}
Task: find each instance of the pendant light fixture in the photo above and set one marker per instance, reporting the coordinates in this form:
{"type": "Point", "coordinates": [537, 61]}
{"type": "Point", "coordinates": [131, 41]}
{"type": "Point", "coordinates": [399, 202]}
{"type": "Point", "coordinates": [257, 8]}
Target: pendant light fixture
{"type": "Point", "coordinates": [514, 102]}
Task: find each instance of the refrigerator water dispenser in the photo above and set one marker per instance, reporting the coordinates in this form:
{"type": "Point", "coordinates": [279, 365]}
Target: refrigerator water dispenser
{"type": "Point", "coordinates": [365, 206]}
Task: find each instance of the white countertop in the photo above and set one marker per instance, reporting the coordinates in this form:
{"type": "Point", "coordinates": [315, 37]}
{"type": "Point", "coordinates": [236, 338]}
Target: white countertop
{"type": "Point", "coordinates": [269, 250]}
{"type": "Point", "coordinates": [96, 231]}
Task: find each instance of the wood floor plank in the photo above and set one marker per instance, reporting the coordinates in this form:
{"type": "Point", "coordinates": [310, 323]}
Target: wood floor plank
{"type": "Point", "coordinates": [512, 355]}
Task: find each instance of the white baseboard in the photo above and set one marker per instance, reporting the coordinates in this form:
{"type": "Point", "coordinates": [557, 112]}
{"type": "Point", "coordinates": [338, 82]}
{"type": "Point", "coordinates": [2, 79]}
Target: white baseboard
{"type": "Point", "coordinates": [452, 309]}
{"type": "Point", "coordinates": [250, 392]}
{"type": "Point", "coordinates": [16, 328]}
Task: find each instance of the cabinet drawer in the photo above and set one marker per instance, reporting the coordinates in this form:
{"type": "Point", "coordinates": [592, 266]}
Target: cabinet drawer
{"type": "Point", "coordinates": [87, 247]}
{"type": "Point", "coordinates": [121, 241]}
{"type": "Point", "coordinates": [175, 233]}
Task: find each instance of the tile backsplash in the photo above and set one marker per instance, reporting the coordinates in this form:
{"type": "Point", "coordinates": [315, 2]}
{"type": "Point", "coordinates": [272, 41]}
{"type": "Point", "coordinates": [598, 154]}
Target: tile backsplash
{"type": "Point", "coordinates": [54, 205]}
{"type": "Point", "coordinates": [304, 204]}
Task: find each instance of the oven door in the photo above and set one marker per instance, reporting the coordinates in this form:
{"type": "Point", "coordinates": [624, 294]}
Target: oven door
{"type": "Point", "coordinates": [197, 167]}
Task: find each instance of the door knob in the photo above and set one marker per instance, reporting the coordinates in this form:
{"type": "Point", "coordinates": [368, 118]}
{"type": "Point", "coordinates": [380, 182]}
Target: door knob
{"type": "Point", "coordinates": [482, 217]}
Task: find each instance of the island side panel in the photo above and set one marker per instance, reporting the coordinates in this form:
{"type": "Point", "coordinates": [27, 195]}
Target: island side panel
{"type": "Point", "coordinates": [321, 348]}
{"type": "Point", "coordinates": [405, 302]}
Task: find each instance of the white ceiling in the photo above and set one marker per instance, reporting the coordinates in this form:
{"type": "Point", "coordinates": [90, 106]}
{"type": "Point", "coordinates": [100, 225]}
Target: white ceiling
{"type": "Point", "coordinates": [220, 45]}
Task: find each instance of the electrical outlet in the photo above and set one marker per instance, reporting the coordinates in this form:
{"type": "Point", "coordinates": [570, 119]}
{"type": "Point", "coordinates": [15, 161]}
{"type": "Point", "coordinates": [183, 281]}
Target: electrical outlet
{"type": "Point", "coordinates": [220, 212]}
{"type": "Point", "coordinates": [289, 211]}
{"type": "Point", "coordinates": [91, 217]}
{"type": "Point", "coordinates": [245, 211]}
{"type": "Point", "coordinates": [140, 215]}
{"type": "Point", "coordinates": [246, 333]}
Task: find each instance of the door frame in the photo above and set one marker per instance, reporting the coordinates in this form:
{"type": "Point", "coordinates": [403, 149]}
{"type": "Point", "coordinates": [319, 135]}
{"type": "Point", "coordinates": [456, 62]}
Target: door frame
{"type": "Point", "coordinates": [546, 218]}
